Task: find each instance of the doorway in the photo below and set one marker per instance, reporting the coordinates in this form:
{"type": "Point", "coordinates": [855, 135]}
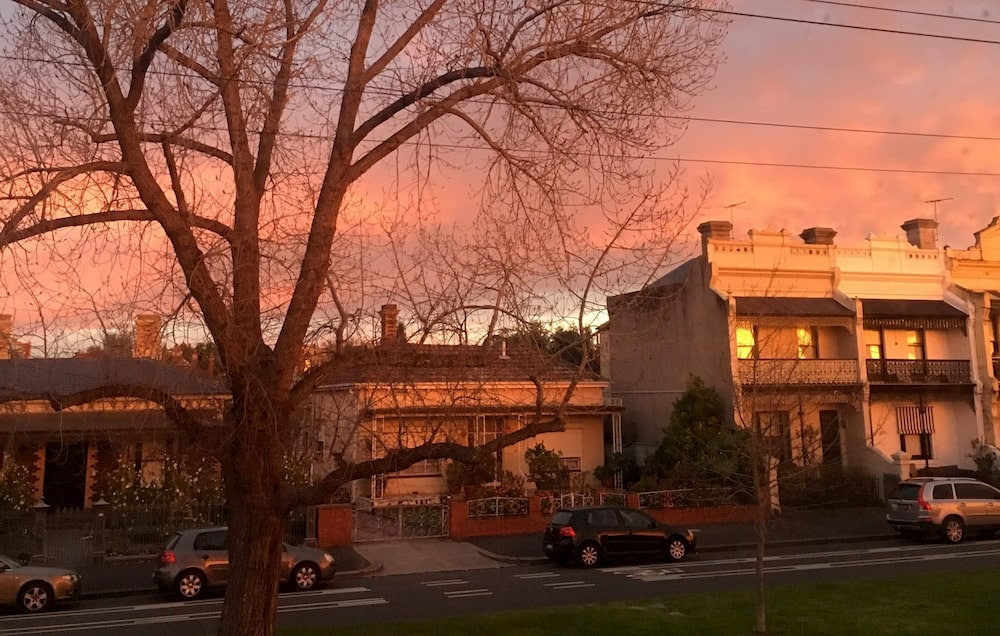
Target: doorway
{"type": "Point", "coordinates": [65, 475]}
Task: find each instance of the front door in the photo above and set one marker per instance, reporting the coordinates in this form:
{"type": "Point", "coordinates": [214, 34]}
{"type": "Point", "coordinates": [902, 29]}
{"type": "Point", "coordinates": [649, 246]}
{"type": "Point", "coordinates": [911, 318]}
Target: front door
{"type": "Point", "coordinates": [65, 475]}
{"type": "Point", "coordinates": [829, 430]}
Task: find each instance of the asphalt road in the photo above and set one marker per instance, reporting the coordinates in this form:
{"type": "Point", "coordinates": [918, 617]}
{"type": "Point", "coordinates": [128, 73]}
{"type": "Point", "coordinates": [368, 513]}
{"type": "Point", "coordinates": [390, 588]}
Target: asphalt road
{"type": "Point", "coordinates": [415, 596]}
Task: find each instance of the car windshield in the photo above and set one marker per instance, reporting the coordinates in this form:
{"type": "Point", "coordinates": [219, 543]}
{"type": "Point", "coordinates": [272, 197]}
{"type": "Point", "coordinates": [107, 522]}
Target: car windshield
{"type": "Point", "coordinates": [9, 563]}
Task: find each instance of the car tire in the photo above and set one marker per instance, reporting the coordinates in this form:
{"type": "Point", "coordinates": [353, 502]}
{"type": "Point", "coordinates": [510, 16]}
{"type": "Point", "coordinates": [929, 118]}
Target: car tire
{"type": "Point", "coordinates": [34, 597]}
{"type": "Point", "coordinates": [190, 584]}
{"type": "Point", "coordinates": [589, 555]}
{"type": "Point", "coordinates": [305, 576]}
{"type": "Point", "coordinates": [677, 549]}
{"type": "Point", "coordinates": [953, 530]}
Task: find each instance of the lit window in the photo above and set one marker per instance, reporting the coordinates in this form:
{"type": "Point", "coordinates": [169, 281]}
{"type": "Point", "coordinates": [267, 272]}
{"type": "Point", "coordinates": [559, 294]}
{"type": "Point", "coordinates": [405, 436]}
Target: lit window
{"type": "Point", "coordinates": [915, 345]}
{"type": "Point", "coordinates": [746, 343]}
{"type": "Point", "coordinates": [807, 343]}
{"type": "Point", "coordinates": [873, 344]}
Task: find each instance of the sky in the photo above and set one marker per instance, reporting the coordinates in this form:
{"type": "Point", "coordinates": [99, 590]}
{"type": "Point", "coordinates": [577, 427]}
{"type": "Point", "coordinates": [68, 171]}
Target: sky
{"type": "Point", "coordinates": [804, 74]}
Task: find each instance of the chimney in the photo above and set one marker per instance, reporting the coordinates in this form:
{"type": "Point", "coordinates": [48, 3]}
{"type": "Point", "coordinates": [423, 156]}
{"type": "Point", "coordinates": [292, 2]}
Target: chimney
{"type": "Point", "coordinates": [921, 233]}
{"type": "Point", "coordinates": [147, 336]}
{"type": "Point", "coordinates": [818, 235]}
{"type": "Point", "coordinates": [390, 316]}
{"type": "Point", "coordinates": [5, 324]}
{"type": "Point", "coordinates": [714, 231]}
{"type": "Point", "coordinates": [24, 350]}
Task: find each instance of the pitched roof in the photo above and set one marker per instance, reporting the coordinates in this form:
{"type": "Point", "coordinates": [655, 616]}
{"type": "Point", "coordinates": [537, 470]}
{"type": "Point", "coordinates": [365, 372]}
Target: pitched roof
{"type": "Point", "coordinates": [402, 362]}
{"type": "Point", "coordinates": [70, 375]}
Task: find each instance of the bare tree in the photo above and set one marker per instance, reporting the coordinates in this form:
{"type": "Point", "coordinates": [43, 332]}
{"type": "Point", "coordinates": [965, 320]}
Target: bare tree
{"type": "Point", "coordinates": [215, 162]}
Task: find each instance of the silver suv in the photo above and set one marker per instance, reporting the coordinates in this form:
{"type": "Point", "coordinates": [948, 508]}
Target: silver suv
{"type": "Point", "coordinates": [198, 559]}
{"type": "Point", "coordinates": [946, 505]}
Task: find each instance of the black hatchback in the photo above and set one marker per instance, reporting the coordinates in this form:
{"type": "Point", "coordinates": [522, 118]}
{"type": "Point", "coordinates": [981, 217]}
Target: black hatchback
{"type": "Point", "coordinates": [591, 535]}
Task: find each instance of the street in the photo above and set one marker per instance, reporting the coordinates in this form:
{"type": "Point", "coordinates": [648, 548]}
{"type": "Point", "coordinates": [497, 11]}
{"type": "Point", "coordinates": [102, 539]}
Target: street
{"type": "Point", "coordinates": [416, 596]}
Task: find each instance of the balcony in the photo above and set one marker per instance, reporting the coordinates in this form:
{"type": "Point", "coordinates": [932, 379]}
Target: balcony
{"type": "Point", "coordinates": [919, 371]}
{"type": "Point", "coordinates": [798, 372]}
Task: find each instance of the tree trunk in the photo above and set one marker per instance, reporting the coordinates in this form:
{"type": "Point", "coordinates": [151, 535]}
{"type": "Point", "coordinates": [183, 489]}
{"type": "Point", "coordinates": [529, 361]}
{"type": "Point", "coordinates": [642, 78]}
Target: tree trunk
{"type": "Point", "coordinates": [256, 531]}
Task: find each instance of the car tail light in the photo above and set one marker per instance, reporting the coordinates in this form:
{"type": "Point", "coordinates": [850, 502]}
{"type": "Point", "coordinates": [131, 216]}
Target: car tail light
{"type": "Point", "coordinates": [567, 531]}
{"type": "Point", "coordinates": [921, 502]}
{"type": "Point", "coordinates": [167, 557]}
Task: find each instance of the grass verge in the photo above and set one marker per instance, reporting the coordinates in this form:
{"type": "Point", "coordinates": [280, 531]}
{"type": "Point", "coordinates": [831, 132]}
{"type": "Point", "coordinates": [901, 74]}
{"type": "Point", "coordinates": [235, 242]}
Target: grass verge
{"type": "Point", "coordinates": [959, 602]}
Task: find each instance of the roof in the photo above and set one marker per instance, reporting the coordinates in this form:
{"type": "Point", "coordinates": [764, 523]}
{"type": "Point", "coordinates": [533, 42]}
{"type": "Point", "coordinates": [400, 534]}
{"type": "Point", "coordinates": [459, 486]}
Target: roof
{"type": "Point", "coordinates": [63, 376]}
{"type": "Point", "coordinates": [402, 362]}
{"type": "Point", "coordinates": [875, 308]}
{"type": "Point", "coordinates": [783, 306]}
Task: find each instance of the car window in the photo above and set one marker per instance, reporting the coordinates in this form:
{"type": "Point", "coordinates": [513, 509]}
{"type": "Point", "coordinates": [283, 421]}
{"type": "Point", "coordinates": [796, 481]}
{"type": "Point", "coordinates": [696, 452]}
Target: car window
{"type": "Point", "coordinates": [215, 540]}
{"type": "Point", "coordinates": [635, 519]}
{"type": "Point", "coordinates": [603, 518]}
{"type": "Point", "coordinates": [975, 491]}
{"type": "Point", "coordinates": [905, 491]}
{"type": "Point", "coordinates": [173, 541]}
{"type": "Point", "coordinates": [562, 517]}
{"type": "Point", "coordinates": [943, 491]}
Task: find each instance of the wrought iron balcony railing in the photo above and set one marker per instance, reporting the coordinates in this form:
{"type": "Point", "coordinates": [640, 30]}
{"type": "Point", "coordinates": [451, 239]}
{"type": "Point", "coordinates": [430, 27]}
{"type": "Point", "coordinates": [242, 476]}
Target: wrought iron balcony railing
{"type": "Point", "coordinates": [796, 372]}
{"type": "Point", "coordinates": [919, 371]}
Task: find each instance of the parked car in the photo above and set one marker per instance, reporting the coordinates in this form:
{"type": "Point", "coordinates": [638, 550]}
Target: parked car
{"type": "Point", "coordinates": [591, 535]}
{"type": "Point", "coordinates": [34, 589]}
{"type": "Point", "coordinates": [945, 505]}
{"type": "Point", "coordinates": [198, 559]}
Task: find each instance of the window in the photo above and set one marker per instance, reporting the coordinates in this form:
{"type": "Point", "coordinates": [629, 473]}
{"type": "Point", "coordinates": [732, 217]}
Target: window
{"type": "Point", "coordinates": [746, 343]}
{"type": "Point", "coordinates": [915, 344]}
{"type": "Point", "coordinates": [918, 446]}
{"type": "Point", "coordinates": [572, 464]}
{"type": "Point", "coordinates": [215, 540]}
{"type": "Point", "coordinates": [916, 428]}
{"type": "Point", "coordinates": [873, 344]}
{"type": "Point", "coordinates": [775, 433]}
{"type": "Point", "coordinates": [636, 520]}
{"type": "Point", "coordinates": [486, 428]}
{"type": "Point", "coordinates": [807, 339]}
{"type": "Point", "coordinates": [425, 468]}
{"type": "Point", "coordinates": [975, 491]}
{"type": "Point", "coordinates": [943, 491]}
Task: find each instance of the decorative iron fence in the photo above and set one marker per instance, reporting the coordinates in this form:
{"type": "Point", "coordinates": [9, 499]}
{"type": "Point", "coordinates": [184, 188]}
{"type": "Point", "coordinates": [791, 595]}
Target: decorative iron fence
{"type": "Point", "coordinates": [498, 507]}
{"type": "Point", "coordinates": [567, 500]}
{"type": "Point", "coordinates": [378, 520]}
{"type": "Point", "coordinates": [613, 499]}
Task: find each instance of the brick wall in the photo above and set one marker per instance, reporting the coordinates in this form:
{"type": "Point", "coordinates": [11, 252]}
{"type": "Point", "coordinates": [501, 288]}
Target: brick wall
{"type": "Point", "coordinates": [333, 525]}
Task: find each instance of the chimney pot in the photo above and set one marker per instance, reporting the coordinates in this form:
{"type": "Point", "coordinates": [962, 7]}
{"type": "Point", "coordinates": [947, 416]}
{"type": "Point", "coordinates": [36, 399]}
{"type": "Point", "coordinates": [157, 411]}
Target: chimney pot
{"type": "Point", "coordinates": [921, 233]}
{"type": "Point", "coordinates": [818, 235]}
{"type": "Point", "coordinates": [714, 231]}
{"type": "Point", "coordinates": [147, 336]}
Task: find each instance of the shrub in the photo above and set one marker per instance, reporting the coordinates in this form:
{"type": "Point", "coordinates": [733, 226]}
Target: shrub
{"type": "Point", "coordinates": [545, 467]}
{"type": "Point", "coordinates": [17, 487]}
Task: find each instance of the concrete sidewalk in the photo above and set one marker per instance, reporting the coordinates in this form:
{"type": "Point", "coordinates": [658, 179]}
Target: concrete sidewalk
{"type": "Point", "coordinates": [443, 555]}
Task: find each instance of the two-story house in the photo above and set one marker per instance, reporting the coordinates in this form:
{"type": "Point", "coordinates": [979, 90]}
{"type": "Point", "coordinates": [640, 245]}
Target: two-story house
{"type": "Point", "coordinates": [846, 355]}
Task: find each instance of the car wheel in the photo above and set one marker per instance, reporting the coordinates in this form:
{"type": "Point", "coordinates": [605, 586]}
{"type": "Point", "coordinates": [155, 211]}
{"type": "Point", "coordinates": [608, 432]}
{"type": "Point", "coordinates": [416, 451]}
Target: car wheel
{"type": "Point", "coordinates": [589, 555]}
{"type": "Point", "coordinates": [34, 597]}
{"type": "Point", "coordinates": [190, 584]}
{"type": "Point", "coordinates": [305, 576]}
{"type": "Point", "coordinates": [676, 548]}
{"type": "Point", "coordinates": [953, 529]}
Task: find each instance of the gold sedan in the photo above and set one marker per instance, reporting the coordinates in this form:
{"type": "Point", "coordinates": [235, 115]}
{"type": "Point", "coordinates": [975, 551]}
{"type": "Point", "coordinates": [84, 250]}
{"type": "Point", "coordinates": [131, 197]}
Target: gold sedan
{"type": "Point", "coordinates": [34, 589]}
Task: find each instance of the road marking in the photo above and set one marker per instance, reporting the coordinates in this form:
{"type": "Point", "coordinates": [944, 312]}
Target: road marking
{"type": "Point", "coordinates": [540, 575]}
{"type": "Point", "coordinates": [172, 618]}
{"type": "Point", "coordinates": [444, 583]}
{"type": "Point", "coordinates": [468, 593]}
{"type": "Point", "coordinates": [568, 585]}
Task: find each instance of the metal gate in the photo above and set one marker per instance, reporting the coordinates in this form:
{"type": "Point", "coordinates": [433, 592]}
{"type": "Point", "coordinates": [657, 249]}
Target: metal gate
{"type": "Point", "coordinates": [68, 537]}
{"type": "Point", "coordinates": [381, 521]}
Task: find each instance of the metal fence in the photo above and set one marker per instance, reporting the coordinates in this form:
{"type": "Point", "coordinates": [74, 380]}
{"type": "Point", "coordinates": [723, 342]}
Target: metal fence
{"type": "Point", "coordinates": [498, 507]}
{"type": "Point", "coordinates": [380, 520]}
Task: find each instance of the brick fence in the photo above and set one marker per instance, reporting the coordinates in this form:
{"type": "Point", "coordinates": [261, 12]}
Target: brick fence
{"type": "Point", "coordinates": [333, 522]}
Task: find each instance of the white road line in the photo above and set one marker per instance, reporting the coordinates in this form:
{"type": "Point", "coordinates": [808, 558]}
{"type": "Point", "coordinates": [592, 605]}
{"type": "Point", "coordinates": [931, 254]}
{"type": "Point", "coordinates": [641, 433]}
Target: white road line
{"type": "Point", "coordinates": [572, 585]}
{"type": "Point", "coordinates": [445, 583]}
{"type": "Point", "coordinates": [540, 575]}
{"type": "Point", "coordinates": [468, 593]}
{"type": "Point", "coordinates": [175, 618]}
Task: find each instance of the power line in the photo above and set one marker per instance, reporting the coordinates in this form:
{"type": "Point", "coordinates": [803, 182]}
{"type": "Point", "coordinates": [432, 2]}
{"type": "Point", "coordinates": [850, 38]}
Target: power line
{"type": "Point", "coordinates": [928, 14]}
{"type": "Point", "coordinates": [856, 27]}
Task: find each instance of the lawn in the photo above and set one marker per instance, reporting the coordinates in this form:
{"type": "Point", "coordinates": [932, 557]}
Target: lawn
{"type": "Point", "coordinates": [941, 603]}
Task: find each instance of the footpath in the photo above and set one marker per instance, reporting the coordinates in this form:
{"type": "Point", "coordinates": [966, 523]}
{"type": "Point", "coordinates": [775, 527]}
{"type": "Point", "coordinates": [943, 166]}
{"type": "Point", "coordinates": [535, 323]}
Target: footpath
{"type": "Point", "coordinates": [793, 528]}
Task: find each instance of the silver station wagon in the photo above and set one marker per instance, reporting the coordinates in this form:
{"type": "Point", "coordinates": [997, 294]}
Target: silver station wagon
{"type": "Point", "coordinates": [197, 560]}
{"type": "Point", "coordinates": [943, 505]}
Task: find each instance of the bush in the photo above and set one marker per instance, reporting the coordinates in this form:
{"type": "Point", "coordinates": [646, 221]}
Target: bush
{"type": "Point", "coordinates": [17, 487]}
{"type": "Point", "coordinates": [545, 467]}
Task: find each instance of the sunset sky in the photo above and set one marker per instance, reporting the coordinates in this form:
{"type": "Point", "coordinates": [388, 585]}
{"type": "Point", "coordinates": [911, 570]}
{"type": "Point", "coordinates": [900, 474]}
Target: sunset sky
{"type": "Point", "coordinates": [814, 75]}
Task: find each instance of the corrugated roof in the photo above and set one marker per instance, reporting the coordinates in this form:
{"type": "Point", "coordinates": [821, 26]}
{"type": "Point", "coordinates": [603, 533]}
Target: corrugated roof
{"type": "Point", "coordinates": [63, 376]}
{"type": "Point", "coordinates": [784, 306]}
{"type": "Point", "coordinates": [876, 308]}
